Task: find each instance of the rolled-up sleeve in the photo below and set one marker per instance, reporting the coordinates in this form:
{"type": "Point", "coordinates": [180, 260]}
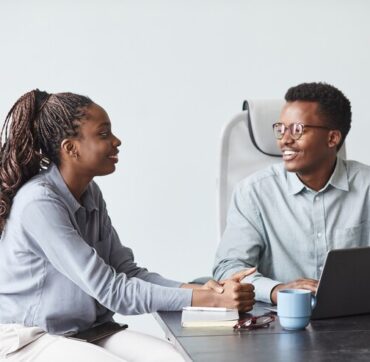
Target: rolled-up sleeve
{"type": "Point", "coordinates": [242, 244]}
{"type": "Point", "coordinates": [47, 223]}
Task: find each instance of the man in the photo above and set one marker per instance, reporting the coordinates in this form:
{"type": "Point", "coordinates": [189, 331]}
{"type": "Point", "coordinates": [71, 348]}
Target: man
{"type": "Point", "coordinates": [285, 218]}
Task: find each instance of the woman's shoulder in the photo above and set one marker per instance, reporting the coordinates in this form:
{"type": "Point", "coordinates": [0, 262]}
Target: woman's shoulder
{"type": "Point", "coordinates": [46, 187]}
{"type": "Point", "coordinates": [36, 189]}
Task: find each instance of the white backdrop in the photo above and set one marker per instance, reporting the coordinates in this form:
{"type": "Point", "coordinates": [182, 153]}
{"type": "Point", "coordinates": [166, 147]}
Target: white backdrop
{"type": "Point", "coordinates": [170, 74]}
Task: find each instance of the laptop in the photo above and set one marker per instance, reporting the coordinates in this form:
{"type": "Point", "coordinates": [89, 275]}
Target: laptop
{"type": "Point", "coordinates": [344, 286]}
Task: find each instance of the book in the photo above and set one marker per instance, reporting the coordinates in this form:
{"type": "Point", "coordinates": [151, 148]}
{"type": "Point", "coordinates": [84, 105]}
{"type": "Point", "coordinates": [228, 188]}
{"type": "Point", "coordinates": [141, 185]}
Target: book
{"type": "Point", "coordinates": [208, 317]}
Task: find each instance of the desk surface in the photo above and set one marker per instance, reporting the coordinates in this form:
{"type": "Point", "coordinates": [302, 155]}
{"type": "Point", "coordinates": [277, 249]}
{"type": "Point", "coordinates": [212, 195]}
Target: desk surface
{"type": "Point", "coordinates": [337, 339]}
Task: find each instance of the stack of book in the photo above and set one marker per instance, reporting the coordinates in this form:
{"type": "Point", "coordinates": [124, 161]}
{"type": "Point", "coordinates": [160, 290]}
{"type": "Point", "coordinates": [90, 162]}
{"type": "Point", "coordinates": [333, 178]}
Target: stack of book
{"type": "Point", "coordinates": [209, 317]}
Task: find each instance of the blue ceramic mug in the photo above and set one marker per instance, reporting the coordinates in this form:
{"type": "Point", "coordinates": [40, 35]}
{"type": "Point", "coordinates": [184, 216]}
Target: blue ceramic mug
{"type": "Point", "coordinates": [294, 308]}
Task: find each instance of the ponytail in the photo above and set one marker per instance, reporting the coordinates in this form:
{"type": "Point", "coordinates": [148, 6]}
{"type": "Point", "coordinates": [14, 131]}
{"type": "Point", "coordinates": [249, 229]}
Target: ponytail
{"type": "Point", "coordinates": [31, 136]}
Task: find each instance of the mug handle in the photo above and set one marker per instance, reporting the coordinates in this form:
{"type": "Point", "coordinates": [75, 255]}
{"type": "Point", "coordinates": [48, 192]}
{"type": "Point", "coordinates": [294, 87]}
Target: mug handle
{"type": "Point", "coordinates": [313, 301]}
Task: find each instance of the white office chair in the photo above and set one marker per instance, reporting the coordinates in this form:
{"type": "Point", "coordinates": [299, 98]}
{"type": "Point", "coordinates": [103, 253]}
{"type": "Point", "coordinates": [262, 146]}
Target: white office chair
{"type": "Point", "coordinates": [248, 145]}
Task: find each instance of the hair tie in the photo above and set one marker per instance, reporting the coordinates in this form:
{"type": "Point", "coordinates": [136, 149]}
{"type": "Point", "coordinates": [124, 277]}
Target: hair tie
{"type": "Point", "coordinates": [44, 102]}
{"type": "Point", "coordinates": [41, 98]}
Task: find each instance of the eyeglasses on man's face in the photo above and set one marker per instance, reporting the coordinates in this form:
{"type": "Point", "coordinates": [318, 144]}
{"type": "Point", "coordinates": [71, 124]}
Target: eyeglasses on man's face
{"type": "Point", "coordinates": [262, 321]}
{"type": "Point", "coordinates": [296, 129]}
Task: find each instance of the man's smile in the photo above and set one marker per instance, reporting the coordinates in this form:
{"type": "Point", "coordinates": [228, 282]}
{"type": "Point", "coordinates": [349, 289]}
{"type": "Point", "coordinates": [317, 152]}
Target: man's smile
{"type": "Point", "coordinates": [289, 154]}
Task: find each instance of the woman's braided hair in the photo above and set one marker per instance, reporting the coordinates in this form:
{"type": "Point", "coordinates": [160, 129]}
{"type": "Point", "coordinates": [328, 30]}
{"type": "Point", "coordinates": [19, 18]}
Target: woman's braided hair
{"type": "Point", "coordinates": [31, 137]}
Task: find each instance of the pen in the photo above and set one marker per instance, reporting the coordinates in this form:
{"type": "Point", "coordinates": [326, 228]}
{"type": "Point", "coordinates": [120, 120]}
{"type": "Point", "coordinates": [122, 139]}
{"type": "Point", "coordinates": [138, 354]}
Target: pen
{"type": "Point", "coordinates": [208, 309]}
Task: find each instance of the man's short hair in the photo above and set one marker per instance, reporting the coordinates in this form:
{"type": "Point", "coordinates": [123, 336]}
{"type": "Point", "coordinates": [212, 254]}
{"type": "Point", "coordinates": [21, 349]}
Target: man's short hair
{"type": "Point", "coordinates": [332, 104]}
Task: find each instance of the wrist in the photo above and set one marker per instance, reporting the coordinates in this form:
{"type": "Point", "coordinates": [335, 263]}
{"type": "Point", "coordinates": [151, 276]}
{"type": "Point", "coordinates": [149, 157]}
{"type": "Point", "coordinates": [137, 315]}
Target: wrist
{"type": "Point", "coordinates": [274, 291]}
{"type": "Point", "coordinates": [204, 298]}
{"type": "Point", "coordinates": [190, 286]}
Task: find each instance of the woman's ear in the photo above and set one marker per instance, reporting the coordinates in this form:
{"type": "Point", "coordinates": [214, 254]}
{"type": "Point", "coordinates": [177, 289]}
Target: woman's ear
{"type": "Point", "coordinates": [334, 138]}
{"type": "Point", "coordinates": [68, 148]}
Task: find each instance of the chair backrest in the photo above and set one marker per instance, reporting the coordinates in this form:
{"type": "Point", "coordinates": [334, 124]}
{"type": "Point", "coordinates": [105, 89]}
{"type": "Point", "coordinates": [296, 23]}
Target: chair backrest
{"type": "Point", "coordinates": [248, 145]}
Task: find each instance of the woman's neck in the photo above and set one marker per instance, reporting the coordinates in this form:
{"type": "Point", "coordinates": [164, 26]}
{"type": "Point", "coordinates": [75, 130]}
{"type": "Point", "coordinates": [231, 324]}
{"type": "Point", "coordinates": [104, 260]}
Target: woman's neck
{"type": "Point", "coordinates": [75, 181]}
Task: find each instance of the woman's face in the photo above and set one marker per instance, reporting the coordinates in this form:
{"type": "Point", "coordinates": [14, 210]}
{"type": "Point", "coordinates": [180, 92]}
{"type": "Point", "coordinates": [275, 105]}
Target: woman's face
{"type": "Point", "coordinates": [96, 145]}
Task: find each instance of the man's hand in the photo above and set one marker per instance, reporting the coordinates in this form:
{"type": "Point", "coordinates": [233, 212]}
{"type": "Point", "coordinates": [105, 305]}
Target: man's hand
{"type": "Point", "coordinates": [309, 284]}
{"type": "Point", "coordinates": [237, 295]}
{"type": "Point", "coordinates": [237, 277]}
{"type": "Point", "coordinates": [228, 293]}
{"type": "Point", "coordinates": [240, 275]}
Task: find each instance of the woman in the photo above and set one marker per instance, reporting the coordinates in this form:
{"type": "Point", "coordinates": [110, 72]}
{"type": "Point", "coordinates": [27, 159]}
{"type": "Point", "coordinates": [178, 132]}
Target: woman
{"type": "Point", "coordinates": [62, 266]}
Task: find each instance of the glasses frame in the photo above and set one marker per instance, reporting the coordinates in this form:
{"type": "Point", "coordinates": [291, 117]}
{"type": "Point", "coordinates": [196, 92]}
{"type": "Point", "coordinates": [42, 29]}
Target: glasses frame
{"type": "Point", "coordinates": [251, 323]}
{"type": "Point", "coordinates": [295, 136]}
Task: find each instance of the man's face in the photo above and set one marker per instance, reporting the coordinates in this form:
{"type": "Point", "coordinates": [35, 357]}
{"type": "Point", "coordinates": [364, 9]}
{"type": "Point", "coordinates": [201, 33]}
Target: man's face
{"type": "Point", "coordinates": [313, 150]}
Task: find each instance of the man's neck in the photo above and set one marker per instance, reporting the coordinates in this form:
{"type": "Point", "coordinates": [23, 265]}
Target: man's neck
{"type": "Point", "coordinates": [318, 179]}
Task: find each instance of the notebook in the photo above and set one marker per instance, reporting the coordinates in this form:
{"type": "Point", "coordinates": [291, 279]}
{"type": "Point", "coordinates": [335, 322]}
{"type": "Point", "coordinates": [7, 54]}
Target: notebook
{"type": "Point", "coordinates": [209, 317]}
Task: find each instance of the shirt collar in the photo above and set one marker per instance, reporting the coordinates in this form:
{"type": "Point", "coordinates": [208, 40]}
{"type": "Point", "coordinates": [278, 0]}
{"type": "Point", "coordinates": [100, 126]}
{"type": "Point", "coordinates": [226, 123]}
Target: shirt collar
{"type": "Point", "coordinates": [294, 184]}
{"type": "Point", "coordinates": [338, 179]}
{"type": "Point", "coordinates": [87, 197]}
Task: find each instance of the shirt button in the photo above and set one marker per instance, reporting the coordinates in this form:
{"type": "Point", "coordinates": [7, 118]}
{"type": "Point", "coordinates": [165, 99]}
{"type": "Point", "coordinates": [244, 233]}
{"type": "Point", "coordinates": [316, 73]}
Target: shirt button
{"type": "Point", "coordinates": [319, 235]}
{"type": "Point", "coordinates": [317, 198]}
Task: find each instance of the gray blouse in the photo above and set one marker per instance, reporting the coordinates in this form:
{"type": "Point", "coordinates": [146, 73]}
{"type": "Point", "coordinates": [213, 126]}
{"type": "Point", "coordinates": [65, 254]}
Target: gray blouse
{"type": "Point", "coordinates": [63, 267]}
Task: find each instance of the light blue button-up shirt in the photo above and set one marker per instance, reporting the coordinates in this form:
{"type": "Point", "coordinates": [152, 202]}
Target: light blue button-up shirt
{"type": "Point", "coordinates": [63, 267]}
{"type": "Point", "coordinates": [286, 229]}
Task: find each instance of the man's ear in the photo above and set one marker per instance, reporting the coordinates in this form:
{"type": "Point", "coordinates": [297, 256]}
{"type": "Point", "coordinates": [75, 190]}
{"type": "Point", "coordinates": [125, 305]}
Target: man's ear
{"type": "Point", "coordinates": [334, 138]}
{"type": "Point", "coordinates": [68, 148]}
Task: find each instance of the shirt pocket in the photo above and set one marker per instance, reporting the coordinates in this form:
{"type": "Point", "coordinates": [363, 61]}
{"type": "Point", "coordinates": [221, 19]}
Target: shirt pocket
{"type": "Point", "coordinates": [351, 237]}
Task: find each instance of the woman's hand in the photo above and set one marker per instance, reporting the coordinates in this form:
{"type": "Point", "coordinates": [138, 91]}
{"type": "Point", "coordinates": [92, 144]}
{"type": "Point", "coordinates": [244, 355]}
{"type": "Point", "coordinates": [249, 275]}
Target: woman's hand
{"type": "Point", "coordinates": [210, 285]}
{"type": "Point", "coordinates": [213, 285]}
{"type": "Point", "coordinates": [234, 295]}
{"type": "Point", "coordinates": [237, 296]}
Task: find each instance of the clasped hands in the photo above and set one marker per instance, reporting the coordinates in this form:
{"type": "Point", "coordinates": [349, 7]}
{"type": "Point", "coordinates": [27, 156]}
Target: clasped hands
{"type": "Point", "coordinates": [231, 293]}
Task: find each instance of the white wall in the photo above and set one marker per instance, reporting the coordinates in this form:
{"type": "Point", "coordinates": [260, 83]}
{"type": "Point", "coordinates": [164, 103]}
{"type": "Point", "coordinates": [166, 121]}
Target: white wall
{"type": "Point", "coordinates": [170, 74]}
